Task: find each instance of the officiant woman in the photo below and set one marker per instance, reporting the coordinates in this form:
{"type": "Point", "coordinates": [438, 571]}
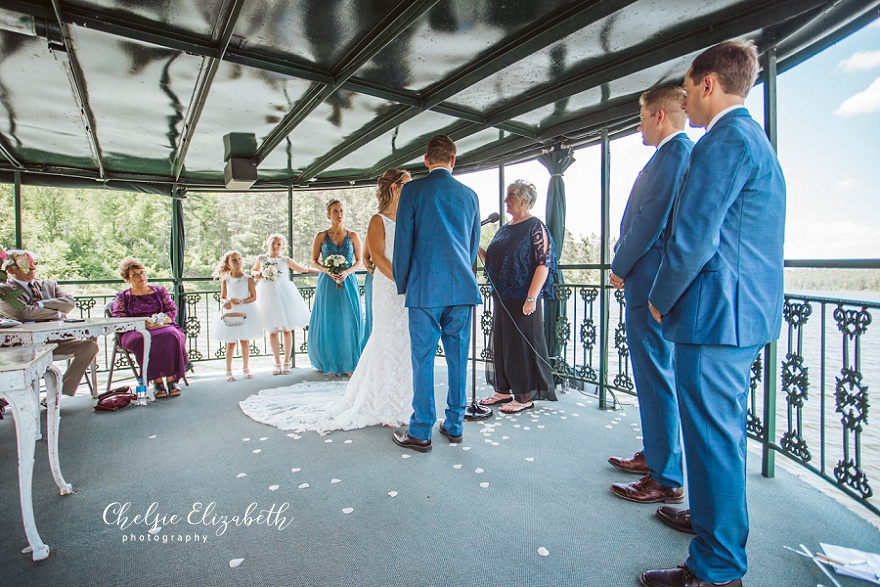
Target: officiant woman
{"type": "Point", "coordinates": [520, 263]}
{"type": "Point", "coordinates": [168, 341]}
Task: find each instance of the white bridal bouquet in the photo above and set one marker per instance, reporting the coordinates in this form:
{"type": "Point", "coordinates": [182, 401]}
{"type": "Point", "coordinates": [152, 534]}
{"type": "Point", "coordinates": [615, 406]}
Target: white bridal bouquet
{"type": "Point", "coordinates": [335, 264]}
{"type": "Point", "coordinates": [270, 271]}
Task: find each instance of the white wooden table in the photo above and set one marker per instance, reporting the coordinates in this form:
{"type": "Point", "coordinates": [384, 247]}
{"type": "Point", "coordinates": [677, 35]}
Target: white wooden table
{"type": "Point", "coordinates": [38, 333]}
{"type": "Point", "coordinates": [20, 371]}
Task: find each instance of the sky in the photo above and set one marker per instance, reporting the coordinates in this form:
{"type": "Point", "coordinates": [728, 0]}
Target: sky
{"type": "Point", "coordinates": [829, 148]}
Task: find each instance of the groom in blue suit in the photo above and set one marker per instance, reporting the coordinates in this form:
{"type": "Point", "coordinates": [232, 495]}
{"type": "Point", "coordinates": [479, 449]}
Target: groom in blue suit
{"type": "Point", "coordinates": [636, 259]}
{"type": "Point", "coordinates": [719, 295]}
{"type": "Point", "coordinates": [435, 245]}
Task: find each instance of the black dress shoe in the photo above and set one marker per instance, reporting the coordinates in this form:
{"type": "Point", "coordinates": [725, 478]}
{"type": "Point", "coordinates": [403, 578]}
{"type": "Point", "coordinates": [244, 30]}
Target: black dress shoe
{"type": "Point", "coordinates": [681, 576]}
{"type": "Point", "coordinates": [403, 439]}
{"type": "Point", "coordinates": [445, 433]}
{"type": "Point", "coordinates": [676, 519]}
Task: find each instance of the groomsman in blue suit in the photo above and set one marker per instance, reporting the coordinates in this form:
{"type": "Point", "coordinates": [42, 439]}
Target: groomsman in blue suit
{"type": "Point", "coordinates": [637, 256]}
{"type": "Point", "coordinates": [719, 295]}
{"type": "Point", "coordinates": [435, 245]}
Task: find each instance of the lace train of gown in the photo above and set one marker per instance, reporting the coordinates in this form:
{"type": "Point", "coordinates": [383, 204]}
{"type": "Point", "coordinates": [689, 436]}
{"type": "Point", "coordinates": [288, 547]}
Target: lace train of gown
{"type": "Point", "coordinates": [380, 390]}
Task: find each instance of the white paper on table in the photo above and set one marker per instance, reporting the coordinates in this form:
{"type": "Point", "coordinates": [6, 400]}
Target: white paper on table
{"type": "Point", "coordinates": [868, 570]}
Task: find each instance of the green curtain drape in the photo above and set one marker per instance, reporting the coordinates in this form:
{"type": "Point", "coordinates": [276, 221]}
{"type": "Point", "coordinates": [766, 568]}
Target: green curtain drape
{"type": "Point", "coordinates": [556, 161]}
{"type": "Point", "coordinates": [178, 241]}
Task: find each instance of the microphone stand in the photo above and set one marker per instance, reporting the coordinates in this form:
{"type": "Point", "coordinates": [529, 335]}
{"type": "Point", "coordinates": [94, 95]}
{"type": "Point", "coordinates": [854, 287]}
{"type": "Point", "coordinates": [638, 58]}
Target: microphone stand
{"type": "Point", "coordinates": [475, 411]}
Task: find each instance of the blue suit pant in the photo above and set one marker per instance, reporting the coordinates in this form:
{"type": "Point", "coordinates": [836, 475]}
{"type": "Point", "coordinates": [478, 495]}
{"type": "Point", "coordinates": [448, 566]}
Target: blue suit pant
{"type": "Point", "coordinates": [427, 326]}
{"type": "Point", "coordinates": [658, 404]}
{"type": "Point", "coordinates": [713, 385]}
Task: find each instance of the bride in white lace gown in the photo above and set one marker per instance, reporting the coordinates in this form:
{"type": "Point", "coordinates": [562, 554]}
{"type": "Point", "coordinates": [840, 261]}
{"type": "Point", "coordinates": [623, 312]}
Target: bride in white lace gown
{"type": "Point", "coordinates": [380, 390]}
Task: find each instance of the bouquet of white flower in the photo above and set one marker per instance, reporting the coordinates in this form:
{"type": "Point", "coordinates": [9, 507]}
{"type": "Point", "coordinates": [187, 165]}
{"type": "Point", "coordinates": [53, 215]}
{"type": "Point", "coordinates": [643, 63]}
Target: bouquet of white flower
{"type": "Point", "coordinates": [335, 264]}
{"type": "Point", "coordinates": [158, 318]}
{"type": "Point", "coordinates": [270, 271]}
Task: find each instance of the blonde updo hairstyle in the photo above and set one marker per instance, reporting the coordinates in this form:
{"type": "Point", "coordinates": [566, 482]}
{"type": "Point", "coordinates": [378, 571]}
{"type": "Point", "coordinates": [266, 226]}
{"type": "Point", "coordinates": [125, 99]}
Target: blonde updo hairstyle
{"type": "Point", "coordinates": [271, 238]}
{"type": "Point", "coordinates": [385, 183]}
{"type": "Point", "coordinates": [330, 203]}
{"type": "Point", "coordinates": [129, 264]}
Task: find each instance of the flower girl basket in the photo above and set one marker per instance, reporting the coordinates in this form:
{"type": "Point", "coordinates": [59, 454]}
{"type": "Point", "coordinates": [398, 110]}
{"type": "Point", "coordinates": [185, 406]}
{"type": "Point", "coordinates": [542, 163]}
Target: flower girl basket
{"type": "Point", "coordinates": [233, 318]}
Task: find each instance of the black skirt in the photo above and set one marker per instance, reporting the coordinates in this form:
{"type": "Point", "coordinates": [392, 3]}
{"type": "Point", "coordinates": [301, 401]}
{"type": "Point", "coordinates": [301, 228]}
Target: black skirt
{"type": "Point", "coordinates": [521, 365]}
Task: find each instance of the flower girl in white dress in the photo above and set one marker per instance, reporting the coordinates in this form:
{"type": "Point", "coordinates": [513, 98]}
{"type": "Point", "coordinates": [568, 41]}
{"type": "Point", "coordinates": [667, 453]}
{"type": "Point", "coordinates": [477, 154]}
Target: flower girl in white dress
{"type": "Point", "coordinates": [238, 320]}
{"type": "Point", "coordinates": [282, 308]}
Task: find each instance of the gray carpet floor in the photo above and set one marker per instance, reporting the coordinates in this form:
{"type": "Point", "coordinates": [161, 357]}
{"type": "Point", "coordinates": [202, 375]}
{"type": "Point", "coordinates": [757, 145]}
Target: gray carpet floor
{"type": "Point", "coordinates": [524, 500]}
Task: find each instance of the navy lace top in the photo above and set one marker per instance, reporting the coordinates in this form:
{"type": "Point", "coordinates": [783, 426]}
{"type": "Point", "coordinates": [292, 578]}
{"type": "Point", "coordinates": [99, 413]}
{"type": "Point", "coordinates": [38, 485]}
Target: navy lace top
{"type": "Point", "coordinates": [514, 254]}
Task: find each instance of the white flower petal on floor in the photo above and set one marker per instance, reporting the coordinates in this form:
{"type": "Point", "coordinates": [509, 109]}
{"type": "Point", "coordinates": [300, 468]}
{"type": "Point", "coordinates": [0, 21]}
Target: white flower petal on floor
{"type": "Point", "coordinates": [575, 415]}
{"type": "Point", "coordinates": [563, 417]}
{"type": "Point", "coordinates": [392, 494]}
{"type": "Point", "coordinates": [623, 413]}
{"type": "Point", "coordinates": [541, 426]}
{"type": "Point", "coordinates": [530, 459]}
{"type": "Point", "coordinates": [264, 438]}
{"type": "Point", "coordinates": [543, 551]}
{"type": "Point", "coordinates": [610, 427]}
{"type": "Point", "coordinates": [347, 510]}
{"type": "Point", "coordinates": [295, 470]}
{"type": "Point", "coordinates": [580, 404]}
{"type": "Point", "coordinates": [348, 441]}
{"type": "Point", "coordinates": [154, 530]}
{"type": "Point", "coordinates": [257, 451]}
{"type": "Point", "coordinates": [527, 428]}
{"type": "Point", "coordinates": [478, 470]}
{"type": "Point", "coordinates": [465, 448]}
{"type": "Point", "coordinates": [328, 441]}
{"type": "Point", "coordinates": [240, 475]}
{"type": "Point", "coordinates": [335, 480]}
{"type": "Point", "coordinates": [484, 485]}
{"type": "Point", "coordinates": [639, 438]}
{"type": "Point", "coordinates": [273, 488]}
{"type": "Point", "coordinates": [516, 425]}
{"type": "Point", "coordinates": [245, 439]}
{"type": "Point", "coordinates": [611, 411]}
{"type": "Point", "coordinates": [235, 562]}
{"type": "Point", "coordinates": [303, 485]}
{"type": "Point", "coordinates": [152, 436]}
{"type": "Point", "coordinates": [405, 456]}
{"type": "Point", "coordinates": [456, 466]}
{"type": "Point", "coordinates": [494, 444]}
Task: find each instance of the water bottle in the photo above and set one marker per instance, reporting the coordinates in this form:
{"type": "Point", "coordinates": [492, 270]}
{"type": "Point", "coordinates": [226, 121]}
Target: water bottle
{"type": "Point", "coordinates": [141, 391]}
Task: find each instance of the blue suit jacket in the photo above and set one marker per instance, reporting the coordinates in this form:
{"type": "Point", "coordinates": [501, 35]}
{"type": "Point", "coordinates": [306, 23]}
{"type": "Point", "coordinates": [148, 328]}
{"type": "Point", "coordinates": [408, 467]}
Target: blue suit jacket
{"type": "Point", "coordinates": [436, 242]}
{"type": "Point", "coordinates": [638, 253]}
{"type": "Point", "coordinates": [720, 281]}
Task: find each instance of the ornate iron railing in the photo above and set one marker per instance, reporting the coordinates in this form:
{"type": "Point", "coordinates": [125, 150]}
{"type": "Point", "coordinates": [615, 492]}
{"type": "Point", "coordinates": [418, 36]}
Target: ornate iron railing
{"type": "Point", "coordinates": [827, 359]}
{"type": "Point", "coordinates": [823, 421]}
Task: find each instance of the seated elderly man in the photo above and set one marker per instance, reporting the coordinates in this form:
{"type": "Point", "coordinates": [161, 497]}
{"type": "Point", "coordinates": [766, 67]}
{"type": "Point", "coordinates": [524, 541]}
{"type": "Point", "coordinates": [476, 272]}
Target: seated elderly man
{"type": "Point", "coordinates": [44, 301]}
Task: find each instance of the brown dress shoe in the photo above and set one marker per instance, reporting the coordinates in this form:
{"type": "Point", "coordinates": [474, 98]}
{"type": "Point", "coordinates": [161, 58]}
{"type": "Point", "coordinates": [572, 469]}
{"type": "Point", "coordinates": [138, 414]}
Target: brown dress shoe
{"type": "Point", "coordinates": [402, 438]}
{"type": "Point", "coordinates": [676, 519]}
{"type": "Point", "coordinates": [681, 576]}
{"type": "Point", "coordinates": [636, 464]}
{"type": "Point", "coordinates": [646, 490]}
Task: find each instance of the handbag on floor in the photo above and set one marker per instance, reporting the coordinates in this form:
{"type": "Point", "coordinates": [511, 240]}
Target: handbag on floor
{"type": "Point", "coordinates": [112, 400]}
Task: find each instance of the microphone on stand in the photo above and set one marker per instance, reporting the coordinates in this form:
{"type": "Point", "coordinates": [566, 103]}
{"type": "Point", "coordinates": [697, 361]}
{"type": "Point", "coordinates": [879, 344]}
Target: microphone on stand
{"type": "Point", "coordinates": [493, 217]}
{"type": "Point", "coordinates": [475, 411]}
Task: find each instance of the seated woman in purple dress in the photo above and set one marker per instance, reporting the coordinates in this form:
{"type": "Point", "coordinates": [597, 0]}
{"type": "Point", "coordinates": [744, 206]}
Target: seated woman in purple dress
{"type": "Point", "coordinates": [168, 340]}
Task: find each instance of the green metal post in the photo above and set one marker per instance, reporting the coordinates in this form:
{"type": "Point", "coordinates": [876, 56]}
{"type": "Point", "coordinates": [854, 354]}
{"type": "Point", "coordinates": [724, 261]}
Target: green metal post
{"type": "Point", "coordinates": [604, 259]}
{"type": "Point", "coordinates": [176, 268]}
{"type": "Point", "coordinates": [768, 459]}
{"type": "Point", "coordinates": [16, 199]}
{"type": "Point", "coordinates": [502, 188]}
{"type": "Point", "coordinates": [768, 63]}
{"type": "Point", "coordinates": [290, 240]}
{"type": "Point", "coordinates": [768, 455]}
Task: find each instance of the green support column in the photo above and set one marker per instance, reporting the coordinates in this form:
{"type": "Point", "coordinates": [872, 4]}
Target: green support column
{"type": "Point", "coordinates": [768, 64]}
{"type": "Point", "coordinates": [502, 188]}
{"type": "Point", "coordinates": [604, 260]}
{"type": "Point", "coordinates": [290, 244]}
{"type": "Point", "coordinates": [16, 200]}
{"type": "Point", "coordinates": [768, 460]}
{"type": "Point", "coordinates": [768, 455]}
